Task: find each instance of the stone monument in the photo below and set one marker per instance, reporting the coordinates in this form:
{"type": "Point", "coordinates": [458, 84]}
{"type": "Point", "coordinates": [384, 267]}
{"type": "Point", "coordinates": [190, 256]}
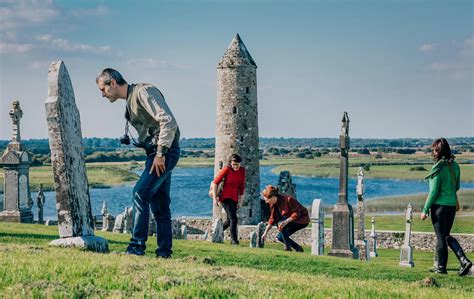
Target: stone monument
{"type": "Point", "coordinates": [127, 220]}
{"type": "Point", "coordinates": [373, 240]}
{"type": "Point", "coordinates": [253, 240]}
{"type": "Point", "coordinates": [237, 124]}
{"type": "Point", "coordinates": [260, 230]}
{"type": "Point", "coordinates": [361, 242]}
{"type": "Point", "coordinates": [118, 225]}
{"type": "Point", "coordinates": [217, 234]}
{"type": "Point", "coordinates": [16, 164]}
{"type": "Point", "coordinates": [286, 185]}
{"type": "Point", "coordinates": [406, 250]}
{"type": "Point", "coordinates": [107, 219]}
{"type": "Point", "coordinates": [40, 200]}
{"type": "Point", "coordinates": [343, 217]}
{"type": "Point", "coordinates": [317, 228]}
{"type": "Point", "coordinates": [75, 221]}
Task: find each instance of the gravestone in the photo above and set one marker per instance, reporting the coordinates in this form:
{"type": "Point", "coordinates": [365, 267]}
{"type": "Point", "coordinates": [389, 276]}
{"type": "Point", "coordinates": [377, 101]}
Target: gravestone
{"type": "Point", "coordinates": [260, 230]}
{"type": "Point", "coordinates": [253, 240]}
{"type": "Point", "coordinates": [184, 232]}
{"type": "Point", "coordinates": [40, 200]}
{"type": "Point", "coordinates": [373, 240]}
{"type": "Point", "coordinates": [361, 242]}
{"type": "Point", "coordinates": [127, 220]}
{"type": "Point", "coordinates": [75, 221]}
{"type": "Point", "coordinates": [217, 234]}
{"type": "Point", "coordinates": [286, 185]}
{"type": "Point", "coordinates": [317, 228]}
{"type": "Point", "coordinates": [205, 236]}
{"type": "Point", "coordinates": [15, 161]}
{"type": "Point", "coordinates": [343, 216]}
{"type": "Point", "coordinates": [151, 225]}
{"type": "Point", "coordinates": [118, 226]}
{"type": "Point", "coordinates": [107, 219]}
{"type": "Point", "coordinates": [406, 250]}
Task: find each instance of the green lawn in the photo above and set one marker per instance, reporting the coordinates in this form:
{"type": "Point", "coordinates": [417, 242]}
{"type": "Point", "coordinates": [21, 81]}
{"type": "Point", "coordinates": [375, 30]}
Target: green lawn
{"type": "Point", "coordinates": [30, 268]}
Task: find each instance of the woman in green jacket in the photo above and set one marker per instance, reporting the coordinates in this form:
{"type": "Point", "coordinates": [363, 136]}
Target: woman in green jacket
{"type": "Point", "coordinates": [442, 203]}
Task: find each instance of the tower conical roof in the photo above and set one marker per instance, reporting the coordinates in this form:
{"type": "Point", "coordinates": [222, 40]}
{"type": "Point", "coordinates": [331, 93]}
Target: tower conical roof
{"type": "Point", "coordinates": [236, 55]}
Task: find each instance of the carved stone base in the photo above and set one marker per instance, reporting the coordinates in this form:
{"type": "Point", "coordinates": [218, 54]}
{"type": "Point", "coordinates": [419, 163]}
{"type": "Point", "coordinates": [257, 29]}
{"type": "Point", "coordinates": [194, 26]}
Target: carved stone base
{"type": "Point", "coordinates": [344, 253]}
{"type": "Point", "coordinates": [22, 216]}
{"type": "Point", "coordinates": [406, 256]}
{"type": "Point", "coordinates": [343, 232]}
{"type": "Point", "coordinates": [91, 243]}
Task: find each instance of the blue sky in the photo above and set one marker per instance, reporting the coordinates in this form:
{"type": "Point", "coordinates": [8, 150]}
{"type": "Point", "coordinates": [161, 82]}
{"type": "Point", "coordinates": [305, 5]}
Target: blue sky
{"type": "Point", "coordinates": [400, 68]}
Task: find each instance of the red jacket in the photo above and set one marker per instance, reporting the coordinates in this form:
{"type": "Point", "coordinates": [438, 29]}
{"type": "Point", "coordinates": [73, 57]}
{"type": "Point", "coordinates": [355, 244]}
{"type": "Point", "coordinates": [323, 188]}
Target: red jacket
{"type": "Point", "coordinates": [288, 207]}
{"type": "Point", "coordinates": [234, 184]}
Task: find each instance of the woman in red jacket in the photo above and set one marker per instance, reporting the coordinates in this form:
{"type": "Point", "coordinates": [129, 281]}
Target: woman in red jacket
{"type": "Point", "coordinates": [232, 194]}
{"type": "Point", "coordinates": [289, 215]}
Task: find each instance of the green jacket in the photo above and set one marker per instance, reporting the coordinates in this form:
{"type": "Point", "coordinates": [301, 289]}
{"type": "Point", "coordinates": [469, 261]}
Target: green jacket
{"type": "Point", "coordinates": [442, 188]}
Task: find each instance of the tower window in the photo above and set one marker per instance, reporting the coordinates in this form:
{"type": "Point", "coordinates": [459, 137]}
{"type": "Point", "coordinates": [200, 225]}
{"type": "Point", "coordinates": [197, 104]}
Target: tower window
{"type": "Point", "coordinates": [241, 138]}
{"type": "Point", "coordinates": [247, 90]}
{"type": "Point", "coordinates": [250, 213]}
{"type": "Point", "coordinates": [234, 110]}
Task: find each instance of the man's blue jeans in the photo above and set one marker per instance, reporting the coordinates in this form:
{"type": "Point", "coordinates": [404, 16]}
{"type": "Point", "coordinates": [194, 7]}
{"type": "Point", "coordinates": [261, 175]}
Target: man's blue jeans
{"type": "Point", "coordinates": [153, 192]}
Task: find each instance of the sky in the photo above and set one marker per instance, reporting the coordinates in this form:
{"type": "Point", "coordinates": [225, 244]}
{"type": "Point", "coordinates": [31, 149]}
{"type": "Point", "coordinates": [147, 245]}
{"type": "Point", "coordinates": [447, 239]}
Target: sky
{"type": "Point", "coordinates": [399, 68]}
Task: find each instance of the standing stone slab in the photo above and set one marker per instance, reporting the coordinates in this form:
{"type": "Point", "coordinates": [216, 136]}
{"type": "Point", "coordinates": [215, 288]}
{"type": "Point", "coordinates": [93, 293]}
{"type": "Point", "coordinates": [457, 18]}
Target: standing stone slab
{"type": "Point", "coordinates": [118, 225]}
{"type": "Point", "coordinates": [361, 242]}
{"type": "Point", "coordinates": [406, 250]}
{"type": "Point", "coordinates": [253, 240]}
{"type": "Point", "coordinates": [217, 234]}
{"type": "Point", "coordinates": [373, 240]}
{"type": "Point", "coordinates": [75, 221]}
{"type": "Point", "coordinates": [317, 228]}
{"type": "Point", "coordinates": [260, 230]}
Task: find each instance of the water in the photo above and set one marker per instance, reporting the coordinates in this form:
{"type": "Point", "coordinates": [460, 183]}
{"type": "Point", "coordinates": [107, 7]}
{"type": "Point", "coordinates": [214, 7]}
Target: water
{"type": "Point", "coordinates": [189, 192]}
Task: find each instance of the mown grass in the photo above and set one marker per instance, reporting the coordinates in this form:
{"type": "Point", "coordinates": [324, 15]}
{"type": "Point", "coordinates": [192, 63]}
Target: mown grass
{"type": "Point", "coordinates": [30, 268]}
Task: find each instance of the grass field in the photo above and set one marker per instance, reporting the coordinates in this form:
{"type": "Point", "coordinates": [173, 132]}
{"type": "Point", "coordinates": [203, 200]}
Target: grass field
{"type": "Point", "coordinates": [30, 268]}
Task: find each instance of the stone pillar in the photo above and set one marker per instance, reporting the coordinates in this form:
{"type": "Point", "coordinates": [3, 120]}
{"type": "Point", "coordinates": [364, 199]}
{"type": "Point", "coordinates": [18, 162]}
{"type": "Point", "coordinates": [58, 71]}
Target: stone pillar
{"type": "Point", "coordinates": [361, 242]}
{"type": "Point", "coordinates": [406, 251]}
{"type": "Point", "coordinates": [237, 125]}
{"type": "Point", "coordinates": [217, 234]}
{"type": "Point", "coordinates": [75, 221]}
{"type": "Point", "coordinates": [40, 200]}
{"type": "Point", "coordinates": [373, 240]}
{"type": "Point", "coordinates": [118, 225]}
{"type": "Point", "coordinates": [286, 185]}
{"type": "Point", "coordinates": [16, 164]}
{"type": "Point", "coordinates": [317, 228]}
{"type": "Point", "coordinates": [343, 217]}
{"type": "Point", "coordinates": [260, 230]}
{"type": "Point", "coordinates": [253, 240]}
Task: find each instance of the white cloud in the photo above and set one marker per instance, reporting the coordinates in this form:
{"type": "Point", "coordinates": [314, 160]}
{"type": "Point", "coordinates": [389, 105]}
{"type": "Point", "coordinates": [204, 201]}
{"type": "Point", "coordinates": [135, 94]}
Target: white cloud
{"type": "Point", "coordinates": [68, 46]}
{"type": "Point", "coordinates": [38, 64]}
{"type": "Point", "coordinates": [468, 47]}
{"type": "Point", "coordinates": [13, 48]}
{"type": "Point", "coordinates": [151, 63]}
{"type": "Point", "coordinates": [25, 13]}
{"type": "Point", "coordinates": [99, 11]}
{"type": "Point", "coordinates": [427, 47]}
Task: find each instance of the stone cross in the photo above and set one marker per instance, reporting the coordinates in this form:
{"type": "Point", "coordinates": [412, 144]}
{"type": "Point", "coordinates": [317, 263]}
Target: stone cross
{"type": "Point", "coordinates": [286, 185]}
{"type": "Point", "coordinates": [406, 250]}
{"type": "Point", "coordinates": [40, 200]}
{"type": "Point", "coordinates": [253, 240]}
{"type": "Point", "coordinates": [373, 240]}
{"type": "Point", "coordinates": [217, 234]}
{"type": "Point", "coordinates": [317, 228]}
{"type": "Point", "coordinates": [343, 215]}
{"type": "Point", "coordinates": [260, 231]}
{"type": "Point", "coordinates": [16, 114]}
{"type": "Point", "coordinates": [75, 221]}
{"type": "Point", "coordinates": [361, 242]}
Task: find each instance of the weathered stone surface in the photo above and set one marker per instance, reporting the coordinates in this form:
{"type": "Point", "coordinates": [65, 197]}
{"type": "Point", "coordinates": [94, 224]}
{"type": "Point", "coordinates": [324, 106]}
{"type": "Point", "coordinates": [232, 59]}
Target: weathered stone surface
{"type": "Point", "coordinates": [285, 184]}
{"type": "Point", "coordinates": [184, 232]}
{"type": "Point", "coordinates": [92, 243]}
{"type": "Point", "coordinates": [65, 141]}
{"type": "Point", "coordinates": [406, 251]}
{"type": "Point", "coordinates": [217, 234]}
{"type": "Point", "coordinates": [373, 240]}
{"type": "Point", "coordinates": [343, 216]}
{"type": "Point", "coordinates": [151, 225]}
{"type": "Point", "coordinates": [253, 240]}
{"type": "Point", "coordinates": [260, 230]}
{"type": "Point", "coordinates": [118, 226]}
{"type": "Point", "coordinates": [237, 125]}
{"type": "Point", "coordinates": [127, 220]}
{"type": "Point", "coordinates": [317, 228]}
{"type": "Point", "coordinates": [361, 242]}
{"type": "Point", "coordinates": [40, 200]}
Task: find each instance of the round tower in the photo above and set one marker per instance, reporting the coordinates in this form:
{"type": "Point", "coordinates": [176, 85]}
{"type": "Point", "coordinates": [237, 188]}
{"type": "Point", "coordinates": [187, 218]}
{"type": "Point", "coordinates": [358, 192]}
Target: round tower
{"type": "Point", "coordinates": [237, 124]}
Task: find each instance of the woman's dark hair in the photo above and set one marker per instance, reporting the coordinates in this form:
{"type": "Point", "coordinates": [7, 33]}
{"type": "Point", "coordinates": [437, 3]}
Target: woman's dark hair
{"type": "Point", "coordinates": [235, 158]}
{"type": "Point", "coordinates": [270, 191]}
{"type": "Point", "coordinates": [441, 149]}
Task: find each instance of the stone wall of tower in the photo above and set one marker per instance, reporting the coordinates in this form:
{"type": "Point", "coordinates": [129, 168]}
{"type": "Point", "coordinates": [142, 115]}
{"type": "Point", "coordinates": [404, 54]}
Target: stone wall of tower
{"type": "Point", "coordinates": [237, 132]}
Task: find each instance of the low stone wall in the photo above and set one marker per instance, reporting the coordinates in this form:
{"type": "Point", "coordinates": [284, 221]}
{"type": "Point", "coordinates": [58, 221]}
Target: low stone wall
{"type": "Point", "coordinates": [385, 239]}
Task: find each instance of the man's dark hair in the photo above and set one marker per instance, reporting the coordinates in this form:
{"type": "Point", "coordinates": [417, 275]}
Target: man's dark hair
{"type": "Point", "coordinates": [108, 74]}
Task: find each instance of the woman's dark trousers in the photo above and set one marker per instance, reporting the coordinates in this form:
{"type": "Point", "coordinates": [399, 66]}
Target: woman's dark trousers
{"type": "Point", "coordinates": [442, 218]}
{"type": "Point", "coordinates": [287, 231]}
{"type": "Point", "coordinates": [230, 208]}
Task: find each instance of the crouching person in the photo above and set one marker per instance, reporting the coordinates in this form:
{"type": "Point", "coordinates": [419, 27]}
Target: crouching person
{"type": "Point", "coordinates": [289, 215]}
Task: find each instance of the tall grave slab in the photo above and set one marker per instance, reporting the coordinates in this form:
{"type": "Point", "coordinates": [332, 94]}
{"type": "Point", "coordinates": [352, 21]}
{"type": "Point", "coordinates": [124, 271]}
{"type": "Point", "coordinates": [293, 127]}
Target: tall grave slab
{"type": "Point", "coordinates": [406, 251]}
{"type": "Point", "coordinates": [361, 242]}
{"type": "Point", "coordinates": [317, 228]}
{"type": "Point", "coordinates": [343, 216]}
{"type": "Point", "coordinates": [75, 221]}
{"type": "Point", "coordinates": [373, 240]}
{"type": "Point", "coordinates": [16, 160]}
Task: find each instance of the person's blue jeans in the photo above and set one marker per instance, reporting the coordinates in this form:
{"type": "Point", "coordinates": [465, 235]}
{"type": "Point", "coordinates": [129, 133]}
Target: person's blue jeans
{"type": "Point", "coordinates": [153, 192]}
{"type": "Point", "coordinates": [284, 235]}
